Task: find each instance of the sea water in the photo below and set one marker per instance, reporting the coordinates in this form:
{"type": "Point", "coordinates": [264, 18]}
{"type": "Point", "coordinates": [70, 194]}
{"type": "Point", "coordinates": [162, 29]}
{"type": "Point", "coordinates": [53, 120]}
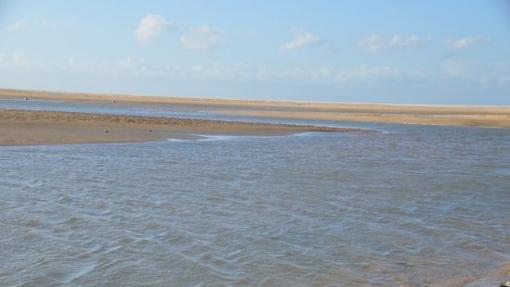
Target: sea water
{"type": "Point", "coordinates": [406, 206]}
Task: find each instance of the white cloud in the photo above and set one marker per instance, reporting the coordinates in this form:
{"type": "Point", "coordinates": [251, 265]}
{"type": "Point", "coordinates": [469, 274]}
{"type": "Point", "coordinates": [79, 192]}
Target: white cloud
{"type": "Point", "coordinates": [131, 68]}
{"type": "Point", "coordinates": [377, 43]}
{"type": "Point", "coordinates": [323, 74]}
{"type": "Point", "coordinates": [353, 75]}
{"type": "Point", "coordinates": [300, 40]}
{"type": "Point", "coordinates": [151, 26]}
{"type": "Point", "coordinates": [459, 69]}
{"type": "Point", "coordinates": [201, 38]}
{"type": "Point", "coordinates": [477, 71]}
{"type": "Point", "coordinates": [126, 62]}
{"type": "Point", "coordinates": [466, 42]}
{"type": "Point", "coordinates": [48, 24]}
{"type": "Point", "coordinates": [365, 74]}
{"type": "Point", "coordinates": [16, 26]}
{"type": "Point", "coordinates": [18, 57]}
{"type": "Point", "coordinates": [402, 41]}
{"type": "Point", "coordinates": [15, 59]}
{"type": "Point", "coordinates": [372, 43]}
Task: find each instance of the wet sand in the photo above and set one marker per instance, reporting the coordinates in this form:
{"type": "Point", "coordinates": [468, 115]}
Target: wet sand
{"type": "Point", "coordinates": [483, 116]}
{"type": "Point", "coordinates": [492, 278]}
{"type": "Point", "coordinates": [20, 127]}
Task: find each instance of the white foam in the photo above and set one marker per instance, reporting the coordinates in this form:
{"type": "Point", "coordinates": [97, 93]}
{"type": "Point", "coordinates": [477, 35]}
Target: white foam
{"type": "Point", "coordinates": [210, 138]}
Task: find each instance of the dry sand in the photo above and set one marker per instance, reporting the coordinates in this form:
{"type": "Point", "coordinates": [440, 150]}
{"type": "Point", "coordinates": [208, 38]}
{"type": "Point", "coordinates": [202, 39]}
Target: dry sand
{"type": "Point", "coordinates": [484, 116]}
{"type": "Point", "coordinates": [18, 127]}
{"type": "Point", "coordinates": [449, 119]}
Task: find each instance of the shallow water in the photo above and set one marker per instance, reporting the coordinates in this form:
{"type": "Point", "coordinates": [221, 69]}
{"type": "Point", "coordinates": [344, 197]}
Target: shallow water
{"type": "Point", "coordinates": [407, 207]}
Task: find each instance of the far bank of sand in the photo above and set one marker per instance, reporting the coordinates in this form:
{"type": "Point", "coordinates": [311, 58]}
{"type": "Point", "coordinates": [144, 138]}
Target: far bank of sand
{"type": "Point", "coordinates": [20, 127]}
{"type": "Point", "coordinates": [483, 116]}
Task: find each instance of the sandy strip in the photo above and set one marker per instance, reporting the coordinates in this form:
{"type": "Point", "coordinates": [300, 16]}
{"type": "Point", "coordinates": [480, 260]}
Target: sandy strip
{"type": "Point", "coordinates": [21, 127]}
{"type": "Point", "coordinates": [484, 116]}
{"type": "Point", "coordinates": [452, 119]}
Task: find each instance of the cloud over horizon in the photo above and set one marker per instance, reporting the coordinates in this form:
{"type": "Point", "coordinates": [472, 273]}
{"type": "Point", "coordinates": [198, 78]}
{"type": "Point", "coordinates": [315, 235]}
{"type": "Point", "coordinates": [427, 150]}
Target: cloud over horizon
{"type": "Point", "coordinates": [150, 27]}
{"type": "Point", "coordinates": [466, 42]}
{"type": "Point", "coordinates": [16, 26]}
{"type": "Point", "coordinates": [402, 41]}
{"type": "Point", "coordinates": [201, 38]}
{"type": "Point", "coordinates": [300, 40]}
{"type": "Point", "coordinates": [376, 43]}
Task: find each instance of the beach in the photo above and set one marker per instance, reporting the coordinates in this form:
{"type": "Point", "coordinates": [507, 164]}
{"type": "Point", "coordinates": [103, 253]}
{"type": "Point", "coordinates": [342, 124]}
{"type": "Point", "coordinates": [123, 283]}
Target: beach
{"type": "Point", "coordinates": [445, 115]}
{"type": "Point", "coordinates": [22, 127]}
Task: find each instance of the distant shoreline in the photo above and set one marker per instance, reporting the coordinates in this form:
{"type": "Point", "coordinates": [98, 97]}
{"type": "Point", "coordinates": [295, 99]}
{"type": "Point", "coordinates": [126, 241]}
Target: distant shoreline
{"type": "Point", "coordinates": [444, 115]}
{"type": "Point", "coordinates": [24, 127]}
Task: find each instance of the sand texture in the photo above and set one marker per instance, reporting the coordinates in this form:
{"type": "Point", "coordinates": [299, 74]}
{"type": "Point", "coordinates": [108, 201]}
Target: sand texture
{"type": "Point", "coordinates": [19, 127]}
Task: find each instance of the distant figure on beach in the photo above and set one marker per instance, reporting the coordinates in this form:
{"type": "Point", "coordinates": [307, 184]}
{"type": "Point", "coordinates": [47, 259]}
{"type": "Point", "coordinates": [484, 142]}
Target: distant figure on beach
{"type": "Point", "coordinates": [27, 99]}
{"type": "Point", "coordinates": [114, 101]}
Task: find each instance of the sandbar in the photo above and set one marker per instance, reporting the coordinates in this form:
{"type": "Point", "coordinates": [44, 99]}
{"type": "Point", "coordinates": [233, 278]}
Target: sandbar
{"type": "Point", "coordinates": [24, 127]}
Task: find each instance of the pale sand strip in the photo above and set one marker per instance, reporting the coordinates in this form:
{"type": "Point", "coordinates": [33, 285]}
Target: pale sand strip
{"type": "Point", "coordinates": [20, 127]}
{"type": "Point", "coordinates": [454, 119]}
{"type": "Point", "coordinates": [486, 116]}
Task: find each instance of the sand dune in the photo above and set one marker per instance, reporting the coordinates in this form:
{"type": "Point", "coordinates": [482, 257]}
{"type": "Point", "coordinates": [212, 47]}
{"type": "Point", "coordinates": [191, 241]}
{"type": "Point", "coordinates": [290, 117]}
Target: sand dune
{"type": "Point", "coordinates": [485, 116]}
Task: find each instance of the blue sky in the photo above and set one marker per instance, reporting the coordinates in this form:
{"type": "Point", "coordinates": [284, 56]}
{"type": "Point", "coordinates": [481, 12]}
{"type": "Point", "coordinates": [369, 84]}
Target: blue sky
{"type": "Point", "coordinates": [455, 52]}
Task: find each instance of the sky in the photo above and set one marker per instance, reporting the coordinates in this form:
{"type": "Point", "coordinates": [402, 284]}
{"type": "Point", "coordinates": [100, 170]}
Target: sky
{"type": "Point", "coordinates": [424, 52]}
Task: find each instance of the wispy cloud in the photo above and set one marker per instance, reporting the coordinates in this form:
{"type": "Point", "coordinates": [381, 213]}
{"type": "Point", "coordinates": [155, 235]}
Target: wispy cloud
{"type": "Point", "coordinates": [478, 71]}
{"type": "Point", "coordinates": [14, 59]}
{"type": "Point", "coordinates": [201, 38]}
{"type": "Point", "coordinates": [48, 24]}
{"type": "Point", "coordinates": [375, 73]}
{"type": "Point", "coordinates": [377, 43]}
{"type": "Point", "coordinates": [131, 67]}
{"type": "Point", "coordinates": [150, 27]}
{"type": "Point", "coordinates": [402, 41]}
{"type": "Point", "coordinates": [300, 40]}
{"type": "Point", "coordinates": [16, 26]}
{"type": "Point", "coordinates": [372, 43]}
{"type": "Point", "coordinates": [466, 42]}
